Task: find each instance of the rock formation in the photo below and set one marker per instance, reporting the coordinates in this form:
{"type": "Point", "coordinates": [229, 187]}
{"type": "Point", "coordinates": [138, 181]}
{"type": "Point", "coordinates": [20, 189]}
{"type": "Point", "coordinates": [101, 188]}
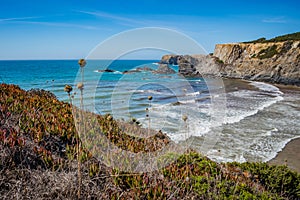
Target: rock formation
{"type": "Point", "coordinates": [170, 59]}
{"type": "Point", "coordinates": [198, 65]}
{"type": "Point", "coordinates": [164, 69]}
{"type": "Point", "coordinates": [275, 62]}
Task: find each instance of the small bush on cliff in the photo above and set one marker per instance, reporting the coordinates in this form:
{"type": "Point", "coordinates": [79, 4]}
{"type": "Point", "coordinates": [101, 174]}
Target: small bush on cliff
{"type": "Point", "coordinates": [259, 40]}
{"type": "Point", "coordinates": [268, 52]}
{"type": "Point", "coordinates": [220, 61]}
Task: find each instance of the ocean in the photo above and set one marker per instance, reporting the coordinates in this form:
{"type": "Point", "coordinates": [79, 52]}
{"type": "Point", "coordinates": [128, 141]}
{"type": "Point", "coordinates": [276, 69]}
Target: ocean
{"type": "Point", "coordinates": [258, 119]}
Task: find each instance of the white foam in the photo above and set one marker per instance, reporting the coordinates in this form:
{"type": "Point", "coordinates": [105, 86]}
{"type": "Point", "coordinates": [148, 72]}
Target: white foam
{"type": "Point", "coordinates": [277, 147]}
{"type": "Point", "coordinates": [270, 132]}
{"type": "Point", "coordinates": [238, 116]}
{"type": "Point", "coordinates": [266, 87]}
{"type": "Point", "coordinates": [150, 91]}
{"type": "Point", "coordinates": [262, 101]}
{"type": "Point", "coordinates": [117, 72]}
{"type": "Point", "coordinates": [193, 93]}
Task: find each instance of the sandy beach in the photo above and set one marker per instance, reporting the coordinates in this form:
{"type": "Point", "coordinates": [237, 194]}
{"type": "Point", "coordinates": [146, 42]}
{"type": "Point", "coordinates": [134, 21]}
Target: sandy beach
{"type": "Point", "coordinates": [289, 156]}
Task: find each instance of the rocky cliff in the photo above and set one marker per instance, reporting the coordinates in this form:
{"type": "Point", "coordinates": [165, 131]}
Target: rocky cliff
{"type": "Point", "coordinates": [276, 62]}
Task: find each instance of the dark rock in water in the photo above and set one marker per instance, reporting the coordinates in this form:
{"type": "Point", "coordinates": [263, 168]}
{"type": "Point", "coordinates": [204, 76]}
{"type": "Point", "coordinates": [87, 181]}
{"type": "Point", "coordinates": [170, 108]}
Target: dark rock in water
{"type": "Point", "coordinates": [139, 69]}
{"type": "Point", "coordinates": [176, 103]}
{"type": "Point", "coordinates": [164, 69]}
{"type": "Point", "coordinates": [131, 71]}
{"type": "Point", "coordinates": [106, 70]}
{"type": "Point", "coordinates": [144, 68]}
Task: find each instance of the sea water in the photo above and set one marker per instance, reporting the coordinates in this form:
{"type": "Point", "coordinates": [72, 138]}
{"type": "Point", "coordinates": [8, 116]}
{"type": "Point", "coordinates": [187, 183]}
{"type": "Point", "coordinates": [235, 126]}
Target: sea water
{"type": "Point", "coordinates": [259, 118]}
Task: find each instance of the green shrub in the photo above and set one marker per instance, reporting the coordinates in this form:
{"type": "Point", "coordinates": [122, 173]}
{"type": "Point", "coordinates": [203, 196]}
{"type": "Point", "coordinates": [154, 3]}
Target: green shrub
{"type": "Point", "coordinates": [268, 52]}
{"type": "Point", "coordinates": [276, 179]}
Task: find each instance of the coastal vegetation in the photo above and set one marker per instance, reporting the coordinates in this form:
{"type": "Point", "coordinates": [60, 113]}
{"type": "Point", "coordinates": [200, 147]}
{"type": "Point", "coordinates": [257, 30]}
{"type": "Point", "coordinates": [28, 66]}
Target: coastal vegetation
{"type": "Point", "coordinates": [282, 38]}
{"type": "Point", "coordinates": [269, 52]}
{"type": "Point", "coordinates": [38, 150]}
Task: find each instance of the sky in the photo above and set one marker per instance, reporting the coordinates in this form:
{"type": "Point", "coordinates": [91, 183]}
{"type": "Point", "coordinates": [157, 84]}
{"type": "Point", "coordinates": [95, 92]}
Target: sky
{"type": "Point", "coordinates": [70, 29]}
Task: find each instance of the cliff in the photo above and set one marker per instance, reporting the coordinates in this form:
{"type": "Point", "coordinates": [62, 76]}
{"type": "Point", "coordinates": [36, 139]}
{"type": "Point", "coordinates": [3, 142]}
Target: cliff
{"type": "Point", "coordinates": [275, 62]}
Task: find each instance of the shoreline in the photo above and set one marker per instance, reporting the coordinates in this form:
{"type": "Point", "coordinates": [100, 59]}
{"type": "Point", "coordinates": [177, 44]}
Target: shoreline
{"type": "Point", "coordinates": [289, 156]}
{"type": "Point", "coordinates": [290, 153]}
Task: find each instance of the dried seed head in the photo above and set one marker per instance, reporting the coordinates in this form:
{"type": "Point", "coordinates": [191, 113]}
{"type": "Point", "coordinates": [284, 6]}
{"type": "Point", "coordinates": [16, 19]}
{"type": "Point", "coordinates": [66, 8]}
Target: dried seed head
{"type": "Point", "coordinates": [184, 117]}
{"type": "Point", "coordinates": [109, 118]}
{"type": "Point", "coordinates": [82, 62]}
{"type": "Point", "coordinates": [150, 98]}
{"type": "Point", "coordinates": [80, 86]}
{"type": "Point", "coordinates": [68, 89]}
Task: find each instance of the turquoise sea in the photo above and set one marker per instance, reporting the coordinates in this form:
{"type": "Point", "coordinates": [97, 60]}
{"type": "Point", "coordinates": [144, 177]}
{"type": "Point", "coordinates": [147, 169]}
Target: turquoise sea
{"type": "Point", "coordinates": [259, 118]}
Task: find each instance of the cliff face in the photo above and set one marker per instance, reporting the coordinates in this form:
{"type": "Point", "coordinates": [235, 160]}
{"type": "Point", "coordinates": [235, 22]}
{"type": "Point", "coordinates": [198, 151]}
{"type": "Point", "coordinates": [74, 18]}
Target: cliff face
{"type": "Point", "coordinates": [197, 65]}
{"type": "Point", "coordinates": [276, 62]}
{"type": "Point", "coordinates": [273, 62]}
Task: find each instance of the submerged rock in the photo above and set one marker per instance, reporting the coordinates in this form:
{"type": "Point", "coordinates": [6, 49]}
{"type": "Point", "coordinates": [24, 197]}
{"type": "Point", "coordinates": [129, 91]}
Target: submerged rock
{"type": "Point", "coordinates": [131, 71]}
{"type": "Point", "coordinates": [139, 69]}
{"type": "Point", "coordinates": [107, 70]}
{"type": "Point", "coordinates": [144, 68]}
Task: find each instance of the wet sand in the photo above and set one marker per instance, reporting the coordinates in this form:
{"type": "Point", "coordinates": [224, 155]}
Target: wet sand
{"type": "Point", "coordinates": [289, 156]}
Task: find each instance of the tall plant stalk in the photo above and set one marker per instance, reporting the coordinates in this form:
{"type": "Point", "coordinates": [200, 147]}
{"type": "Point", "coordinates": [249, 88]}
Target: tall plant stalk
{"type": "Point", "coordinates": [186, 134]}
{"type": "Point", "coordinates": [80, 86]}
{"type": "Point", "coordinates": [149, 128]}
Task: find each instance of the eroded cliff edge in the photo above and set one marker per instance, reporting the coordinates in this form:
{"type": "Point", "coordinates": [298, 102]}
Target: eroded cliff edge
{"type": "Point", "coordinates": [275, 62]}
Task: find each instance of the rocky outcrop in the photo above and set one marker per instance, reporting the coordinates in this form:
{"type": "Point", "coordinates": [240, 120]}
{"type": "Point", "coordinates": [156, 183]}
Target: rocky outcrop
{"type": "Point", "coordinates": [164, 69]}
{"type": "Point", "coordinates": [170, 59]}
{"type": "Point", "coordinates": [276, 62]}
{"type": "Point", "coordinates": [198, 65]}
{"type": "Point", "coordinates": [139, 69]}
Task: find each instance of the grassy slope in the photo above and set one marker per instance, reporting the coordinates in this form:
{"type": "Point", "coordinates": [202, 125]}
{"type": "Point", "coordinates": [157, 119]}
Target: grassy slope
{"type": "Point", "coordinates": [37, 150]}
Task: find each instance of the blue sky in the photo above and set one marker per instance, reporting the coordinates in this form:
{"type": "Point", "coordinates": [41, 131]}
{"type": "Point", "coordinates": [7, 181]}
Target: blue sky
{"type": "Point", "coordinates": [65, 29]}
